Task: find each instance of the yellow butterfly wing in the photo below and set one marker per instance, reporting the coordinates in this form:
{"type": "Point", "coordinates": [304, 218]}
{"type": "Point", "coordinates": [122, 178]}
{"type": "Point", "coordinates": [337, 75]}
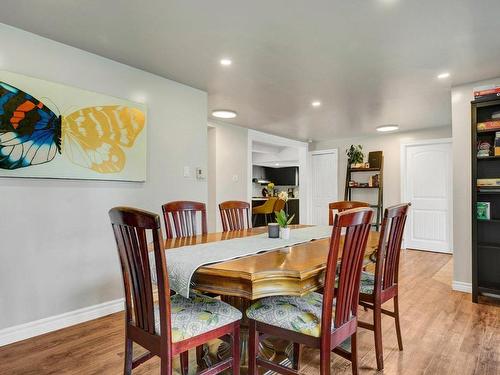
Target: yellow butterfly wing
{"type": "Point", "coordinates": [93, 137]}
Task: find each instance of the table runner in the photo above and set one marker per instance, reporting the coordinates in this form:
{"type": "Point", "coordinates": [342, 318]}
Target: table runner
{"type": "Point", "coordinates": [182, 262]}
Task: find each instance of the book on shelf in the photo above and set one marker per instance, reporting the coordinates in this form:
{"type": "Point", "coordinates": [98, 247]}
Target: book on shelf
{"type": "Point", "coordinates": [497, 144]}
{"type": "Point", "coordinates": [489, 91]}
{"type": "Point", "coordinates": [489, 125]}
{"type": "Point", "coordinates": [483, 210]}
{"type": "Point", "coordinates": [488, 182]}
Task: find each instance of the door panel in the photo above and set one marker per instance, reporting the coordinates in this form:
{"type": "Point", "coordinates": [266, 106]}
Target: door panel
{"type": "Point", "coordinates": [428, 185]}
{"type": "Point", "coordinates": [324, 185]}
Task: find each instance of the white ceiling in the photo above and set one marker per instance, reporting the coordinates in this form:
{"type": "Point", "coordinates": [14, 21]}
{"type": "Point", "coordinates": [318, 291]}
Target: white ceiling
{"type": "Point", "coordinates": [370, 62]}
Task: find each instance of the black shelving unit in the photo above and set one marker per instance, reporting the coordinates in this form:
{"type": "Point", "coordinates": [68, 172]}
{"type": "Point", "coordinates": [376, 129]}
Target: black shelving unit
{"type": "Point", "coordinates": [380, 189]}
{"type": "Point", "coordinates": [485, 233]}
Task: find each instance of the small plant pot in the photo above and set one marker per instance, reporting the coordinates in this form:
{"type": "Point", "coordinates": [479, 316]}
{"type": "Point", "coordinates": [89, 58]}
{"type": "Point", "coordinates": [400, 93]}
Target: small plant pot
{"type": "Point", "coordinates": [273, 230]}
{"type": "Point", "coordinates": [285, 233]}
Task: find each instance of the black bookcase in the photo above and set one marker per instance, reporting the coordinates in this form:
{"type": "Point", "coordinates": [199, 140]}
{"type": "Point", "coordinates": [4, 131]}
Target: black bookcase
{"type": "Point", "coordinates": [485, 232]}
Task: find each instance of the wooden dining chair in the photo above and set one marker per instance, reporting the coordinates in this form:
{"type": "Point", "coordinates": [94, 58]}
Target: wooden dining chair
{"type": "Point", "coordinates": [173, 324]}
{"type": "Point", "coordinates": [378, 288]}
{"type": "Point", "coordinates": [235, 215]}
{"type": "Point", "coordinates": [342, 206]}
{"type": "Point", "coordinates": [316, 320]}
{"type": "Point", "coordinates": [181, 218]}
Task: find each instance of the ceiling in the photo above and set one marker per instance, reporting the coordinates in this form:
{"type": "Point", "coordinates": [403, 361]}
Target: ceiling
{"type": "Point", "coordinates": [369, 62]}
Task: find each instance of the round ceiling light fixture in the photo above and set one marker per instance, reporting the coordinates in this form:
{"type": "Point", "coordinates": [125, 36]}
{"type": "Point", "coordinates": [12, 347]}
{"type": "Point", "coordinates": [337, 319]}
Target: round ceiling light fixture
{"type": "Point", "coordinates": [444, 75]}
{"type": "Point", "coordinates": [388, 128]}
{"type": "Point", "coordinates": [224, 113]}
{"type": "Point", "coordinates": [316, 103]}
{"type": "Point", "coordinates": [226, 62]}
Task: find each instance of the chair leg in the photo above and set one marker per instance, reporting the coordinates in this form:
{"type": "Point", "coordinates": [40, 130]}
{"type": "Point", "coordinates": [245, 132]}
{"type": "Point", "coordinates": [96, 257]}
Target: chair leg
{"type": "Point", "coordinates": [129, 352]}
{"type": "Point", "coordinates": [354, 353]}
{"type": "Point", "coordinates": [254, 220]}
{"type": "Point", "coordinates": [296, 356]}
{"type": "Point", "coordinates": [184, 363]}
{"type": "Point", "coordinates": [166, 365]}
{"type": "Point", "coordinates": [253, 344]}
{"type": "Point", "coordinates": [377, 325]}
{"type": "Point", "coordinates": [398, 325]}
{"type": "Point", "coordinates": [199, 357]}
{"type": "Point", "coordinates": [324, 362]}
{"type": "Point", "coordinates": [236, 349]}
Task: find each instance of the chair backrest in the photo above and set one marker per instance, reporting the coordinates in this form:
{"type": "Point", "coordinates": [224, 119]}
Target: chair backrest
{"type": "Point", "coordinates": [233, 215]}
{"type": "Point", "coordinates": [356, 224]}
{"type": "Point", "coordinates": [181, 218]}
{"type": "Point", "coordinates": [342, 206]}
{"type": "Point", "coordinates": [131, 228]}
{"type": "Point", "coordinates": [389, 246]}
{"type": "Point", "coordinates": [279, 205]}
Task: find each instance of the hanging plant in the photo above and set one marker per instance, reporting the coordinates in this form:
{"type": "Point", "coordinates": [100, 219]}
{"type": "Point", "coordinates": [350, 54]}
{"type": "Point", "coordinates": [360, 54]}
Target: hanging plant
{"type": "Point", "coordinates": [355, 155]}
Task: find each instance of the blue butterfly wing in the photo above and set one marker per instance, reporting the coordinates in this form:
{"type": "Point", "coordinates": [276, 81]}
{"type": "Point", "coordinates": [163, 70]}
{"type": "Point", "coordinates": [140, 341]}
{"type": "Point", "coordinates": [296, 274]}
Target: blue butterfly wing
{"type": "Point", "coordinates": [30, 133]}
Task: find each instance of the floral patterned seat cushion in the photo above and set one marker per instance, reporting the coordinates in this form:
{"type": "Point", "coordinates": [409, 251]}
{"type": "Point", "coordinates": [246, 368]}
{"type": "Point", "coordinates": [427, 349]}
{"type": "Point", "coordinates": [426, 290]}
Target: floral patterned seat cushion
{"type": "Point", "coordinates": [300, 314]}
{"type": "Point", "coordinates": [197, 315]}
{"type": "Point", "coordinates": [367, 283]}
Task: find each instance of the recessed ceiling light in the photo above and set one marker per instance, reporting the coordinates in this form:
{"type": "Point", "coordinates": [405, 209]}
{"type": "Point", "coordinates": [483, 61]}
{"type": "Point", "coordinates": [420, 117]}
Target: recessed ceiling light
{"type": "Point", "coordinates": [277, 164]}
{"type": "Point", "coordinates": [224, 113]}
{"type": "Point", "coordinates": [316, 103]}
{"type": "Point", "coordinates": [226, 62]}
{"type": "Point", "coordinates": [387, 128]}
{"type": "Point", "coordinates": [443, 75]}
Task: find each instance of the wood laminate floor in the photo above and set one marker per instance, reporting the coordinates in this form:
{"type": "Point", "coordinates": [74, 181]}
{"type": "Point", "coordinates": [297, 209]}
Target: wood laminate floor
{"type": "Point", "coordinates": [443, 333]}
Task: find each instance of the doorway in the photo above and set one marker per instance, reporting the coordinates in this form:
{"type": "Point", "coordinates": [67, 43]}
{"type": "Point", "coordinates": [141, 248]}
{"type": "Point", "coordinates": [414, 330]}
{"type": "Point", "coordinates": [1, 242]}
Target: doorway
{"type": "Point", "coordinates": [426, 182]}
{"type": "Point", "coordinates": [324, 184]}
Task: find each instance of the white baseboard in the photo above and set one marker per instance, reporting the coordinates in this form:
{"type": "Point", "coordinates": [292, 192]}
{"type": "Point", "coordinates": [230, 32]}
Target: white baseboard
{"type": "Point", "coordinates": [460, 286]}
{"type": "Point", "coordinates": [53, 323]}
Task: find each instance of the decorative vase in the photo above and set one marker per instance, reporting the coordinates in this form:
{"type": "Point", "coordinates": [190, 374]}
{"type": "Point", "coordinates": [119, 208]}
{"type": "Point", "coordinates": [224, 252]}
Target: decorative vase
{"type": "Point", "coordinates": [285, 233]}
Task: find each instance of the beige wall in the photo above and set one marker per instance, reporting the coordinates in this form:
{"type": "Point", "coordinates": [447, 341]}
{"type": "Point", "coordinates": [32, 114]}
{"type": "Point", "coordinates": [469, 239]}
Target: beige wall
{"type": "Point", "coordinates": [57, 252]}
{"type": "Point", "coordinates": [390, 144]}
{"type": "Point", "coordinates": [461, 96]}
{"type": "Point", "coordinates": [231, 165]}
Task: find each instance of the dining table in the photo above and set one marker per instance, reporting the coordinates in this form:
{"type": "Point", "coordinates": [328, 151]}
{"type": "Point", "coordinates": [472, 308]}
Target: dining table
{"type": "Point", "coordinates": [293, 270]}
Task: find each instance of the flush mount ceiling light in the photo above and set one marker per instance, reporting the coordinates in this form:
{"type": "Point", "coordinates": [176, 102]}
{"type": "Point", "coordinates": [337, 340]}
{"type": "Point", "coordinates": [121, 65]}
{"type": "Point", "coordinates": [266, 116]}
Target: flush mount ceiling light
{"type": "Point", "coordinates": [443, 75]}
{"type": "Point", "coordinates": [224, 113]}
{"type": "Point", "coordinates": [226, 62]}
{"type": "Point", "coordinates": [316, 103]}
{"type": "Point", "coordinates": [387, 128]}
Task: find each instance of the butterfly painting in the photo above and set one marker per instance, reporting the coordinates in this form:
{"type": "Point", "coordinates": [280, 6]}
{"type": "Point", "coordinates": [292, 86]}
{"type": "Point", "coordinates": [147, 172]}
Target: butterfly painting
{"type": "Point", "coordinates": [97, 140]}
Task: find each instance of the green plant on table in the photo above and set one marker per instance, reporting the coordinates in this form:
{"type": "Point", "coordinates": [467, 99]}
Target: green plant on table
{"type": "Point", "coordinates": [283, 219]}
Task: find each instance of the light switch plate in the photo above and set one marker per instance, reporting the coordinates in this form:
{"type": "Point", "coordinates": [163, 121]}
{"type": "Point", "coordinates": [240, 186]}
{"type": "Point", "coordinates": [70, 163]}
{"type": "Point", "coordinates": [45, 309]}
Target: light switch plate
{"type": "Point", "coordinates": [200, 174]}
{"type": "Point", "coordinates": [187, 172]}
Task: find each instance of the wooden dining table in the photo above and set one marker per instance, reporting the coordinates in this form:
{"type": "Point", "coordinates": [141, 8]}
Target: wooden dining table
{"type": "Point", "coordinates": [294, 270]}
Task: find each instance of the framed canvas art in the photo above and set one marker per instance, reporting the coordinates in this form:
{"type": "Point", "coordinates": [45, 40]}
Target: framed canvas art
{"type": "Point", "coordinates": [52, 130]}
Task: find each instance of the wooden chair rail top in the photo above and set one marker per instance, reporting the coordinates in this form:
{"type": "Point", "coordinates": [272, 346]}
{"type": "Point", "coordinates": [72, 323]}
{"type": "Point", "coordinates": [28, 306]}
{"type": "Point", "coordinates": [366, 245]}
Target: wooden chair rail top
{"type": "Point", "coordinates": [302, 261]}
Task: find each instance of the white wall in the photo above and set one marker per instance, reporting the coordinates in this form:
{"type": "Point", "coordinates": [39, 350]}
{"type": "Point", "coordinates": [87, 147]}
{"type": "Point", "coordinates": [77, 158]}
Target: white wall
{"type": "Point", "coordinates": [461, 96]}
{"type": "Point", "coordinates": [231, 168]}
{"type": "Point", "coordinates": [57, 252]}
{"type": "Point", "coordinates": [390, 144]}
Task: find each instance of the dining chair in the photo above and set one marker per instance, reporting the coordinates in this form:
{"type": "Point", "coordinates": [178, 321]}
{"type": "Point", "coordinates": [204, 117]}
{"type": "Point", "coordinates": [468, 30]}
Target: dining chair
{"type": "Point", "coordinates": [322, 321]}
{"type": "Point", "coordinates": [234, 215]}
{"type": "Point", "coordinates": [173, 324]}
{"type": "Point", "coordinates": [279, 205]}
{"type": "Point", "coordinates": [265, 209]}
{"type": "Point", "coordinates": [378, 288]}
{"type": "Point", "coordinates": [342, 206]}
{"type": "Point", "coordinates": [181, 218]}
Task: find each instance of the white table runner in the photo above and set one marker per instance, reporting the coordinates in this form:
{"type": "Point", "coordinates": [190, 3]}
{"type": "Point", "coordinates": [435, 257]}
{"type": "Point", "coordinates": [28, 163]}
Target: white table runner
{"type": "Point", "coordinates": [182, 262]}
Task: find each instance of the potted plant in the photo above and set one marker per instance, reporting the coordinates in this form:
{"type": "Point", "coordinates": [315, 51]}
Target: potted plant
{"type": "Point", "coordinates": [355, 156]}
{"type": "Point", "coordinates": [283, 221]}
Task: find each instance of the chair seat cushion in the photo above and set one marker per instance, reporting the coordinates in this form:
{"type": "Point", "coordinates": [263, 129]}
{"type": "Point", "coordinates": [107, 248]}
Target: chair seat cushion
{"type": "Point", "coordinates": [197, 315]}
{"type": "Point", "coordinates": [367, 283]}
{"type": "Point", "coordinates": [300, 314]}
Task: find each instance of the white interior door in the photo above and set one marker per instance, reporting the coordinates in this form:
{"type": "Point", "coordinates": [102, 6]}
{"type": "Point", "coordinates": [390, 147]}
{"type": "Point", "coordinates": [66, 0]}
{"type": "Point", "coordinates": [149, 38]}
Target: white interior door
{"type": "Point", "coordinates": [324, 184]}
{"type": "Point", "coordinates": [427, 184]}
